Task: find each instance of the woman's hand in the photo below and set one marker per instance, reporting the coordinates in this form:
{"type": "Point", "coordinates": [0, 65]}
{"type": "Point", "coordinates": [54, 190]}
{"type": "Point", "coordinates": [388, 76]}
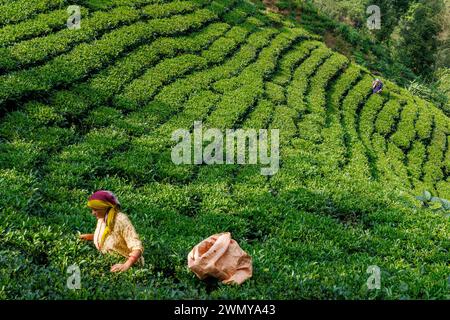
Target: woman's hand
{"type": "Point", "coordinates": [121, 267]}
{"type": "Point", "coordinates": [134, 256]}
{"type": "Point", "coordinates": [88, 237]}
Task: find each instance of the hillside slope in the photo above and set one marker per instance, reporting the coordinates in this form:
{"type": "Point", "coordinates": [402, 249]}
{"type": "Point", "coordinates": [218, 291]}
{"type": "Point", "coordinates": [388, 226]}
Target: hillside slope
{"type": "Point", "coordinates": [95, 109]}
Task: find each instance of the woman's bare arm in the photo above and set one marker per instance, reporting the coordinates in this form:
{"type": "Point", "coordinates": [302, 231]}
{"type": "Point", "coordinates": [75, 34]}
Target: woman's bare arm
{"type": "Point", "coordinates": [88, 236]}
{"type": "Point", "coordinates": [134, 256]}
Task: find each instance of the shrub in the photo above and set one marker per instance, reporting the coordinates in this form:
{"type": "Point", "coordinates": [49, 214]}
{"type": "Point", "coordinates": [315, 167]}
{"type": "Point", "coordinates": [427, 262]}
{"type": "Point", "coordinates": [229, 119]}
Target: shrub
{"type": "Point", "coordinates": [275, 92]}
{"type": "Point", "coordinates": [88, 57]}
{"type": "Point", "coordinates": [416, 157]}
{"type": "Point", "coordinates": [387, 116]}
{"type": "Point", "coordinates": [406, 133]}
{"type": "Point", "coordinates": [22, 9]}
{"type": "Point", "coordinates": [424, 120]}
{"type": "Point", "coordinates": [41, 49]}
{"type": "Point", "coordinates": [41, 25]}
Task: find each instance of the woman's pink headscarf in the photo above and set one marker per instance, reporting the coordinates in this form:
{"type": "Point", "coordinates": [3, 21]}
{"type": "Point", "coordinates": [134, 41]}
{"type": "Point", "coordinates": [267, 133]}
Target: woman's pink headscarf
{"type": "Point", "coordinates": [106, 196]}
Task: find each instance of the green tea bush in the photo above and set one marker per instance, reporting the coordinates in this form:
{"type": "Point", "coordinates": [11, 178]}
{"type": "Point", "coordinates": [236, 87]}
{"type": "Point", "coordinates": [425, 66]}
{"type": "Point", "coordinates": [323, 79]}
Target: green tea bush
{"type": "Point", "coordinates": [22, 9]}
{"type": "Point", "coordinates": [424, 121]}
{"type": "Point", "coordinates": [88, 57]}
{"type": "Point", "coordinates": [43, 24]}
{"type": "Point", "coordinates": [316, 99]}
{"type": "Point", "coordinates": [18, 154]}
{"type": "Point", "coordinates": [142, 90]}
{"type": "Point", "coordinates": [296, 90]}
{"type": "Point", "coordinates": [433, 167]}
{"type": "Point", "coordinates": [41, 49]}
{"type": "Point", "coordinates": [406, 132]}
{"type": "Point", "coordinates": [367, 119]}
{"type": "Point", "coordinates": [416, 157]}
{"type": "Point", "coordinates": [275, 92]}
{"type": "Point", "coordinates": [386, 118]}
{"type": "Point", "coordinates": [292, 60]}
{"type": "Point", "coordinates": [15, 189]}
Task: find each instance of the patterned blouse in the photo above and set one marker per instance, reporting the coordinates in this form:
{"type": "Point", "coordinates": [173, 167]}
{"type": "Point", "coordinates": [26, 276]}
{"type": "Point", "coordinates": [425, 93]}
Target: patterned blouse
{"type": "Point", "coordinates": [123, 238]}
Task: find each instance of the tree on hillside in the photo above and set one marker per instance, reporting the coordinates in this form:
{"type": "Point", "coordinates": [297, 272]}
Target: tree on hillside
{"type": "Point", "coordinates": [418, 40]}
{"type": "Point", "coordinates": [391, 13]}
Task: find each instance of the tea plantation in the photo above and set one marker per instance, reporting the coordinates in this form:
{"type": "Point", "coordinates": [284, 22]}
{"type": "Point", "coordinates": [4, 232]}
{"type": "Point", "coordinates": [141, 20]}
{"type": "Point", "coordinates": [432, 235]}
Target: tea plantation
{"type": "Point", "coordinates": [94, 108]}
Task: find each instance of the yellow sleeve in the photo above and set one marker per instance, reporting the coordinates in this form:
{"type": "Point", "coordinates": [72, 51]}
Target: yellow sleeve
{"type": "Point", "coordinates": [130, 235]}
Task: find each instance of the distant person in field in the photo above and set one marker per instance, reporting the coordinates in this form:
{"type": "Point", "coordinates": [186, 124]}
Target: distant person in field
{"type": "Point", "coordinates": [114, 232]}
{"type": "Point", "coordinates": [377, 86]}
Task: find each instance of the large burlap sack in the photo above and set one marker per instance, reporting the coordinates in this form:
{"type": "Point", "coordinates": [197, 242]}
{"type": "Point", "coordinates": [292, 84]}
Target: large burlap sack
{"type": "Point", "coordinates": [221, 257]}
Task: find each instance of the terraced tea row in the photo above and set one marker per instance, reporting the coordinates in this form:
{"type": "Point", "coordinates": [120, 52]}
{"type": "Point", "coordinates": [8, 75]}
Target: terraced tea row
{"type": "Point", "coordinates": [87, 58]}
{"type": "Point", "coordinates": [38, 50]}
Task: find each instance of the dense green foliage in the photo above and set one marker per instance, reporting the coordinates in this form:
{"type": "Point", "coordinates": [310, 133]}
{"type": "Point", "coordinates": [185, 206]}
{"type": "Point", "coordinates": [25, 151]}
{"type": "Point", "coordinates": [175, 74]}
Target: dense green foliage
{"type": "Point", "coordinates": [95, 109]}
{"type": "Point", "coordinates": [418, 43]}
